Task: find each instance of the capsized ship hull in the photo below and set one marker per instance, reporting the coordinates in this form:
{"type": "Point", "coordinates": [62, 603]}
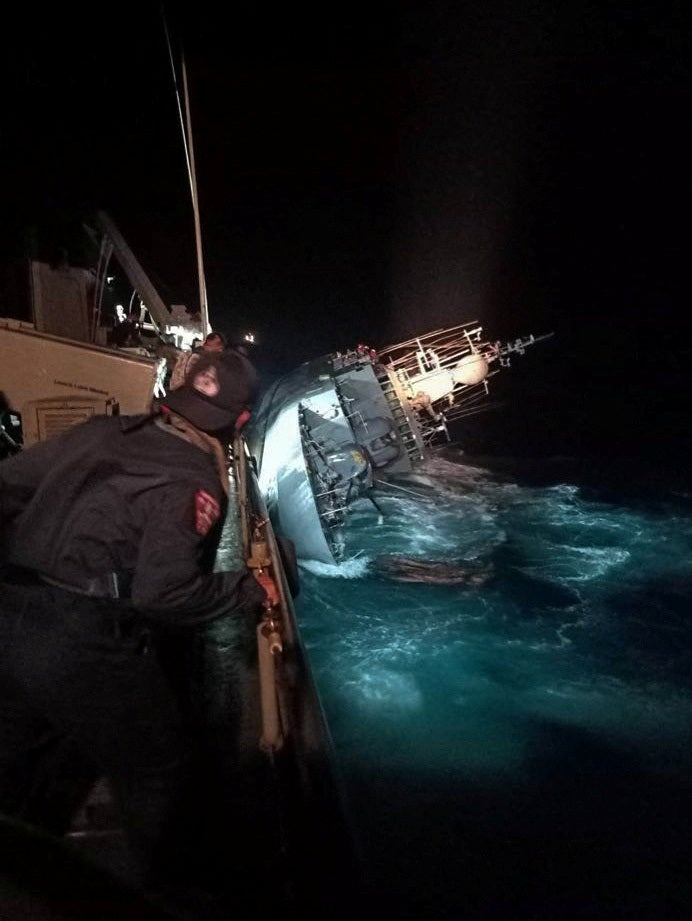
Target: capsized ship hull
{"type": "Point", "coordinates": [323, 434]}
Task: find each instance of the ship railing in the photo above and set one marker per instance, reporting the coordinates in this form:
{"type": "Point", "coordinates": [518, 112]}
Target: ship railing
{"type": "Point", "coordinates": [438, 338]}
{"type": "Point", "coordinates": [350, 359]}
{"type": "Point", "coordinates": [449, 350]}
{"type": "Point", "coordinates": [463, 395]}
{"type": "Point", "coordinates": [333, 512]}
{"type": "Point", "coordinates": [329, 492]}
{"type": "Point", "coordinates": [409, 366]}
{"type": "Point", "coordinates": [434, 431]}
{"type": "Point", "coordinates": [440, 354]}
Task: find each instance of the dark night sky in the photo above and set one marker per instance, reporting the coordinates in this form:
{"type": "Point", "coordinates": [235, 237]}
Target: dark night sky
{"type": "Point", "coordinates": [366, 173]}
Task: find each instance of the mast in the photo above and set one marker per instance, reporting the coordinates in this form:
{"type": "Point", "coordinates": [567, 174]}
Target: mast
{"type": "Point", "coordinates": [186, 125]}
{"type": "Point", "coordinates": [204, 307]}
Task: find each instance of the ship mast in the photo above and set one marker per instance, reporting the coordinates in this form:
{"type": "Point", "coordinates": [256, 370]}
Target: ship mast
{"type": "Point", "coordinates": [204, 307]}
{"type": "Point", "coordinates": [186, 125]}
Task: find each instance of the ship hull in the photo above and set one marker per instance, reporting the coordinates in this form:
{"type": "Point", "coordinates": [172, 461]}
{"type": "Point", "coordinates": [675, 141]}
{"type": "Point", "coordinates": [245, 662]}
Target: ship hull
{"type": "Point", "coordinates": [318, 437]}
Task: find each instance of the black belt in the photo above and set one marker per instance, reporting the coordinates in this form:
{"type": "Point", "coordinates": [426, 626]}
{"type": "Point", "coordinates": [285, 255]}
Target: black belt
{"type": "Point", "coordinates": [118, 620]}
{"type": "Point", "coordinates": [105, 585]}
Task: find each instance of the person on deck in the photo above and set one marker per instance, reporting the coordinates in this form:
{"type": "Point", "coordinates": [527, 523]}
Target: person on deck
{"type": "Point", "coordinates": [214, 343]}
{"type": "Point", "coordinates": [108, 536]}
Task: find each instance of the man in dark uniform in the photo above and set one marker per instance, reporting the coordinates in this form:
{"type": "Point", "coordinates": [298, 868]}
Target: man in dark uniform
{"type": "Point", "coordinates": [107, 531]}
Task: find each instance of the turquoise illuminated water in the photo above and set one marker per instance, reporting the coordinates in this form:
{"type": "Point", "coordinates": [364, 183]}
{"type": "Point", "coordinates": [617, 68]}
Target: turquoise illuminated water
{"type": "Point", "coordinates": [506, 668]}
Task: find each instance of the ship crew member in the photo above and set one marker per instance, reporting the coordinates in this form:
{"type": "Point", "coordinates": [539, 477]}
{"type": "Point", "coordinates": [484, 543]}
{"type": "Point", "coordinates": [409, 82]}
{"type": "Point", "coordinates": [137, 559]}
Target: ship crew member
{"type": "Point", "coordinates": [214, 343]}
{"type": "Point", "coordinates": [108, 535]}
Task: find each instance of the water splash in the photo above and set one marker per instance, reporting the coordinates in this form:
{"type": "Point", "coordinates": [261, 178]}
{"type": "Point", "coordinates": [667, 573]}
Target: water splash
{"type": "Point", "coordinates": [481, 602]}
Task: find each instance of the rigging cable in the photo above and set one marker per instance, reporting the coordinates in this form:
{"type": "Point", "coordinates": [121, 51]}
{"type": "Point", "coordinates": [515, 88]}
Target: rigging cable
{"type": "Point", "coordinates": [185, 124]}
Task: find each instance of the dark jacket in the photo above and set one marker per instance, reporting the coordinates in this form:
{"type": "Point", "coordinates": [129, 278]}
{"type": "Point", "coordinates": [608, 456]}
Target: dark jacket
{"type": "Point", "coordinates": [120, 494]}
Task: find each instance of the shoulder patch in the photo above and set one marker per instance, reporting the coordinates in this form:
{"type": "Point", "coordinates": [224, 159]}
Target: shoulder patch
{"type": "Point", "coordinates": [207, 512]}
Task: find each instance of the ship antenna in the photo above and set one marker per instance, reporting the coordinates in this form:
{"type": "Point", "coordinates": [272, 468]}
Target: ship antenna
{"type": "Point", "coordinates": [186, 126]}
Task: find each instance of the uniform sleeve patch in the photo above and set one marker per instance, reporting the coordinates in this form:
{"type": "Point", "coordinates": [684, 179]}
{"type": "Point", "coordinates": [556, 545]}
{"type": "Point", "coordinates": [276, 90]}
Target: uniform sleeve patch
{"type": "Point", "coordinates": [207, 512]}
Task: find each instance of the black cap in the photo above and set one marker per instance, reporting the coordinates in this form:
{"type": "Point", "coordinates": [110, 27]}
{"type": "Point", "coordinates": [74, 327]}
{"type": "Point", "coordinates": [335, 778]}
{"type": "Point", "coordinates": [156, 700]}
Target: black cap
{"type": "Point", "coordinates": [217, 390]}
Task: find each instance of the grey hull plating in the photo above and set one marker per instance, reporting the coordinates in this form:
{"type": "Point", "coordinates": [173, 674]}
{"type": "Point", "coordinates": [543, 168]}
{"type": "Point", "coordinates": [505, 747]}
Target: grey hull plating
{"type": "Point", "coordinates": [316, 436]}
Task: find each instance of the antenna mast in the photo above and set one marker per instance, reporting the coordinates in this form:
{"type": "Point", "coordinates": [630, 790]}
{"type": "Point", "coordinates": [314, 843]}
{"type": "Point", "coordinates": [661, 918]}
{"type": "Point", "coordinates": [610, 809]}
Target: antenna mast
{"type": "Point", "coordinates": [204, 307]}
{"type": "Point", "coordinates": [186, 125]}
